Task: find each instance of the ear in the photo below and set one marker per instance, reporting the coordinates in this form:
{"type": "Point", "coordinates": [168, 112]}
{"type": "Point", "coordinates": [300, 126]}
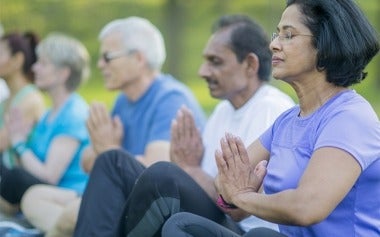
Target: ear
{"type": "Point", "coordinates": [253, 64]}
{"type": "Point", "coordinates": [140, 58]}
{"type": "Point", "coordinates": [64, 73]}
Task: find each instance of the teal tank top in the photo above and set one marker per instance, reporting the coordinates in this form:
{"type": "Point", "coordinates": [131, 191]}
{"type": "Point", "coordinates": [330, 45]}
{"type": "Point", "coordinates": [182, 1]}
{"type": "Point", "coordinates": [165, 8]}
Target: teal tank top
{"type": "Point", "coordinates": [9, 156]}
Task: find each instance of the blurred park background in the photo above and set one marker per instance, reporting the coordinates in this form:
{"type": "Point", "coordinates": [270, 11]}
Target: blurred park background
{"type": "Point", "coordinates": [185, 25]}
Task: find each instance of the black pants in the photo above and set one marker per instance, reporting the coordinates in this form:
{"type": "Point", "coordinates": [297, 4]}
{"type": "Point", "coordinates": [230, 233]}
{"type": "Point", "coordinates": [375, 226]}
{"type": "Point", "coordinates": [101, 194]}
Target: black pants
{"type": "Point", "coordinates": [161, 191]}
{"type": "Point", "coordinates": [149, 197]}
{"type": "Point", "coordinates": [14, 183]}
{"type": "Point", "coordinates": [186, 224]}
{"type": "Point", "coordinates": [111, 181]}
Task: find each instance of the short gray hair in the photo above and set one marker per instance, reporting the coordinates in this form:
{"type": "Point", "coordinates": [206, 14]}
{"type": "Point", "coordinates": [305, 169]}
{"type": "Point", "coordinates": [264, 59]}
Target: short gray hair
{"type": "Point", "coordinates": [141, 35]}
{"type": "Point", "coordinates": [66, 51]}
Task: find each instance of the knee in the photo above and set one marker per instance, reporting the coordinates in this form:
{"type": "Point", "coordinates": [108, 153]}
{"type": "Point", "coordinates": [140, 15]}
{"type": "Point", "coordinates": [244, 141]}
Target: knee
{"type": "Point", "coordinates": [31, 196]}
{"type": "Point", "coordinates": [111, 159]}
{"type": "Point", "coordinates": [175, 222]}
{"type": "Point", "coordinates": [162, 171]}
{"type": "Point", "coordinates": [66, 222]}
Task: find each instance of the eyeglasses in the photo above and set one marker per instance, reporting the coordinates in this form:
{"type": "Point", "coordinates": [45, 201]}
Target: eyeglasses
{"type": "Point", "coordinates": [286, 36]}
{"type": "Point", "coordinates": [109, 56]}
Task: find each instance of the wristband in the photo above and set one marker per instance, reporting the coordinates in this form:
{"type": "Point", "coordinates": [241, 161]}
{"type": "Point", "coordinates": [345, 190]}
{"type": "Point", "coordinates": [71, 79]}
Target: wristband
{"type": "Point", "coordinates": [20, 148]}
{"type": "Point", "coordinates": [223, 204]}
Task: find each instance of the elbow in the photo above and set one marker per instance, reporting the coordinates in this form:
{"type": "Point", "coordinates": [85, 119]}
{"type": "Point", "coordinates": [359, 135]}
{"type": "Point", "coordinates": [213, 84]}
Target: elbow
{"type": "Point", "coordinates": [305, 215]}
{"type": "Point", "coordinates": [87, 166]}
{"type": "Point", "coordinates": [52, 178]}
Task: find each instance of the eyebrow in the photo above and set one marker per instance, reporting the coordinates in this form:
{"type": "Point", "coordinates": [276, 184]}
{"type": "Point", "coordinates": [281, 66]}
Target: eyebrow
{"type": "Point", "coordinates": [285, 27]}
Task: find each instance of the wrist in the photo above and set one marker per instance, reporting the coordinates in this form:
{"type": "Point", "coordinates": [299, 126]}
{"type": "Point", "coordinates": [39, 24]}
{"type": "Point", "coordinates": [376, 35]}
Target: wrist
{"type": "Point", "coordinates": [223, 204]}
{"type": "Point", "coordinates": [20, 148]}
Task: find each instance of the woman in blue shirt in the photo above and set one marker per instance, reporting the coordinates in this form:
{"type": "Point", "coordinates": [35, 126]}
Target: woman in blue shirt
{"type": "Point", "coordinates": [52, 152]}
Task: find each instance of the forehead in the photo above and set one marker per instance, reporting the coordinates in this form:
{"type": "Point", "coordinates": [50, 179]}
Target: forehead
{"type": "Point", "coordinates": [218, 44]}
{"type": "Point", "coordinates": [292, 18]}
{"type": "Point", "coordinates": [112, 41]}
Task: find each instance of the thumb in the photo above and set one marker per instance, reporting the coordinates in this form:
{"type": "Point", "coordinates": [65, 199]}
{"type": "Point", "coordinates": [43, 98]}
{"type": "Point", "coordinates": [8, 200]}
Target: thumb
{"type": "Point", "coordinates": [118, 126]}
{"type": "Point", "coordinates": [261, 169]}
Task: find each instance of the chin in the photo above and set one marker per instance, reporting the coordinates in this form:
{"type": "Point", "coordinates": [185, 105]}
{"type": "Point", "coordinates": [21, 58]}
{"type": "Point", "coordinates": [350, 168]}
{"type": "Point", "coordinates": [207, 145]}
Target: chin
{"type": "Point", "coordinates": [276, 75]}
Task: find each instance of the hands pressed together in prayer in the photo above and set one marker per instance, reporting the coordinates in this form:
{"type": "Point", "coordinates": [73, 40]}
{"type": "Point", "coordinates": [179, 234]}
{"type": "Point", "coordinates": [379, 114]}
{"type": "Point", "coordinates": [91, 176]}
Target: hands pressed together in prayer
{"type": "Point", "coordinates": [18, 126]}
{"type": "Point", "coordinates": [186, 147]}
{"type": "Point", "coordinates": [236, 174]}
{"type": "Point", "coordinates": [105, 132]}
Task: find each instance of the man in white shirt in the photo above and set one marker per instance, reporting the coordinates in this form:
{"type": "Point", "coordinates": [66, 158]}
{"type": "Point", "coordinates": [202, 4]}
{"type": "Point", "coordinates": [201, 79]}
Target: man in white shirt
{"type": "Point", "coordinates": [237, 68]}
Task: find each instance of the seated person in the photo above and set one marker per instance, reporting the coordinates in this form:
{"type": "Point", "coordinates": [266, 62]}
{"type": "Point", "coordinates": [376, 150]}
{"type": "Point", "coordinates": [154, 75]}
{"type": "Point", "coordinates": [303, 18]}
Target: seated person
{"type": "Point", "coordinates": [320, 161]}
{"type": "Point", "coordinates": [139, 123]}
{"type": "Point", "coordinates": [17, 53]}
{"type": "Point", "coordinates": [237, 70]}
{"type": "Point", "coordinates": [51, 154]}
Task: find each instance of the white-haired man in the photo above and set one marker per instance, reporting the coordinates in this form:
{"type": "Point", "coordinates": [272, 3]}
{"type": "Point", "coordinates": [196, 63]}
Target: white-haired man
{"type": "Point", "coordinates": [136, 135]}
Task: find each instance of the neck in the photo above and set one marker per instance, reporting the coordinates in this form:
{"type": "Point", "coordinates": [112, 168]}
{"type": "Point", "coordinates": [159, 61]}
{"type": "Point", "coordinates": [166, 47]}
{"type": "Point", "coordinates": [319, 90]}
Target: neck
{"type": "Point", "coordinates": [15, 83]}
{"type": "Point", "coordinates": [243, 96]}
{"type": "Point", "coordinates": [135, 89]}
{"type": "Point", "coordinates": [311, 99]}
{"type": "Point", "coordinates": [58, 98]}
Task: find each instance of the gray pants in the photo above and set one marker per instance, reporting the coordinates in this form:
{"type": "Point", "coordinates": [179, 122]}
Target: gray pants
{"type": "Point", "coordinates": [186, 224]}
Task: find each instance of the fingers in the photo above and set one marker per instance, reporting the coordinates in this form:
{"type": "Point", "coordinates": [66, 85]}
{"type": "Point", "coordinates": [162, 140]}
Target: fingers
{"type": "Point", "coordinates": [241, 150]}
{"type": "Point", "coordinates": [98, 115]}
{"type": "Point", "coordinates": [220, 161]}
{"type": "Point", "coordinates": [174, 131]}
{"type": "Point", "coordinates": [189, 124]}
{"type": "Point", "coordinates": [119, 128]}
{"type": "Point", "coordinates": [186, 127]}
{"type": "Point", "coordinates": [261, 169]}
{"type": "Point", "coordinates": [229, 150]}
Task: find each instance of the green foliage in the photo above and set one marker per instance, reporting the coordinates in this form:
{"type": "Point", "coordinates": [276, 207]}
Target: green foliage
{"type": "Point", "coordinates": [185, 25]}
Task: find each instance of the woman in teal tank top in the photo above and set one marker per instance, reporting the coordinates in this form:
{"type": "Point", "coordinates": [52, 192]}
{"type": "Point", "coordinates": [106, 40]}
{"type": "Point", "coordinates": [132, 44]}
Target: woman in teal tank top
{"type": "Point", "coordinates": [51, 153]}
{"type": "Point", "coordinates": [17, 55]}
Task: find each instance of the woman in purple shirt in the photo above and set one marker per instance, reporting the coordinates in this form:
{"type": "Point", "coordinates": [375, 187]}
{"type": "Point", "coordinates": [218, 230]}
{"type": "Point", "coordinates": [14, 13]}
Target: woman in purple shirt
{"type": "Point", "coordinates": [320, 161]}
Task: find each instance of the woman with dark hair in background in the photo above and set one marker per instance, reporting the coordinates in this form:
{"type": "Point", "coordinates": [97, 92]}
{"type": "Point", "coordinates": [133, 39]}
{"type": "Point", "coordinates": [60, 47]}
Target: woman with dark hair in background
{"type": "Point", "coordinates": [17, 55]}
{"type": "Point", "coordinates": [51, 154]}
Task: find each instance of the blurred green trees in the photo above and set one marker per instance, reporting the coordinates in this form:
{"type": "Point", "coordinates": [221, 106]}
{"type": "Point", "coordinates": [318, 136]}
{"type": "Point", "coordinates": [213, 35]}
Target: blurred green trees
{"type": "Point", "coordinates": [185, 25]}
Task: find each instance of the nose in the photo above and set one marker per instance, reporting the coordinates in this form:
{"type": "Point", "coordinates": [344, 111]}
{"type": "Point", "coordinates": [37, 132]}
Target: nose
{"type": "Point", "coordinates": [203, 71]}
{"type": "Point", "coordinates": [275, 45]}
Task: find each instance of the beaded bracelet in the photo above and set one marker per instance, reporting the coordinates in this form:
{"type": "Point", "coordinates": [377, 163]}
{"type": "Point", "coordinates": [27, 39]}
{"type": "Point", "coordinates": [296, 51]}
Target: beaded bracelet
{"type": "Point", "coordinates": [20, 148]}
{"type": "Point", "coordinates": [223, 204]}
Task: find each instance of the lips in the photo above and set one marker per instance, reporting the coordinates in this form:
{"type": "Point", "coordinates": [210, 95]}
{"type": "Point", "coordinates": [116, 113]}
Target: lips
{"type": "Point", "coordinates": [276, 60]}
{"type": "Point", "coordinates": [212, 84]}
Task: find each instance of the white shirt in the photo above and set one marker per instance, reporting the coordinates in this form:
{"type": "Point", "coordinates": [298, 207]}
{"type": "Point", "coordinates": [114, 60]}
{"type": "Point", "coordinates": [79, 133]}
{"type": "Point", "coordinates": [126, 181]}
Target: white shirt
{"type": "Point", "coordinates": [247, 122]}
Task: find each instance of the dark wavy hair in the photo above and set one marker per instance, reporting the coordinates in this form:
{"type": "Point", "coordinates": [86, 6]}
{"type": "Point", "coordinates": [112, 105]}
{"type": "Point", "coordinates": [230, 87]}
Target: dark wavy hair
{"type": "Point", "coordinates": [345, 40]}
{"type": "Point", "coordinates": [26, 44]}
{"type": "Point", "coordinates": [248, 37]}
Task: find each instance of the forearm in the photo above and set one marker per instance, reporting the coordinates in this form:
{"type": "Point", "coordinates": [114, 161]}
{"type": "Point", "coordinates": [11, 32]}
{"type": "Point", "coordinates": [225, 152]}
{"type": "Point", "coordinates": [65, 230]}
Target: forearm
{"type": "Point", "coordinates": [88, 159]}
{"type": "Point", "coordinates": [287, 207]}
{"type": "Point", "coordinates": [154, 152]}
{"type": "Point", "coordinates": [202, 179]}
{"type": "Point", "coordinates": [34, 166]}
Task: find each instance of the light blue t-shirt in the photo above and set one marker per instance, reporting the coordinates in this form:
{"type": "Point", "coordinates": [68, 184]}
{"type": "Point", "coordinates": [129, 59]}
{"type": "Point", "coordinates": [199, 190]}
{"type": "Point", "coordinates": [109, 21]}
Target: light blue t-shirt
{"type": "Point", "coordinates": [69, 121]}
{"type": "Point", "coordinates": [346, 121]}
{"type": "Point", "coordinates": [149, 118]}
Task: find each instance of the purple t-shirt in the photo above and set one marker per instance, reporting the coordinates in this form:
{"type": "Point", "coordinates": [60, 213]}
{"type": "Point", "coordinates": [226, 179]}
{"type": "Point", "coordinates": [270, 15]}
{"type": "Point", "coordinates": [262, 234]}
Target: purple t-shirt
{"type": "Point", "coordinates": [346, 121]}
